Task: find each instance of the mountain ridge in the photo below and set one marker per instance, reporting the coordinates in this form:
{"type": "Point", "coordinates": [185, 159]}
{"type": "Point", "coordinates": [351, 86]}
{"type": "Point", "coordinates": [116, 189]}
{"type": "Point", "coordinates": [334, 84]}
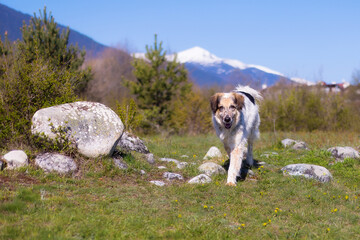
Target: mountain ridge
{"type": "Point", "coordinates": [11, 22]}
{"type": "Point", "coordinates": [206, 68]}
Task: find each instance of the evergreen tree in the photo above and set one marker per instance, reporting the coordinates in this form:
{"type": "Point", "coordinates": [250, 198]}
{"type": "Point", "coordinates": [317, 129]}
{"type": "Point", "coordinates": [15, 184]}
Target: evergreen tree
{"type": "Point", "coordinates": [157, 83]}
{"type": "Point", "coordinates": [42, 37]}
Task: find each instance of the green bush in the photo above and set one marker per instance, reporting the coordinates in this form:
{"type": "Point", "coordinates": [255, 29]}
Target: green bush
{"type": "Point", "coordinates": [37, 72]}
{"type": "Point", "coordinates": [306, 109]}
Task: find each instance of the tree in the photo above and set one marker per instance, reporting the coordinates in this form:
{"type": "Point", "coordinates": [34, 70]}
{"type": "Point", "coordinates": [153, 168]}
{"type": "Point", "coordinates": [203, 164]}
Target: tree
{"type": "Point", "coordinates": [42, 37]}
{"type": "Point", "coordinates": [36, 72]}
{"type": "Point", "coordinates": [157, 83]}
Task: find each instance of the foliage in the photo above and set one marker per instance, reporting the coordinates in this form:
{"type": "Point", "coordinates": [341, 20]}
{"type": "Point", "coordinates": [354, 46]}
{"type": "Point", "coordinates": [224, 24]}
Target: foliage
{"type": "Point", "coordinates": [42, 37]}
{"type": "Point", "coordinates": [157, 83]}
{"type": "Point", "coordinates": [191, 113]}
{"type": "Point", "coordinates": [129, 115]}
{"type": "Point", "coordinates": [306, 108]}
{"type": "Point", "coordinates": [37, 72]}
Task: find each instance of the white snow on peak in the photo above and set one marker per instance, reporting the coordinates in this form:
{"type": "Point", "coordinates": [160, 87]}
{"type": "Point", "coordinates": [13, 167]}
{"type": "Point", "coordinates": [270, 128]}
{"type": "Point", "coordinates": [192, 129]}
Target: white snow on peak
{"type": "Point", "coordinates": [204, 57]}
{"type": "Point", "coordinates": [198, 55]}
{"type": "Point", "coordinates": [302, 81]}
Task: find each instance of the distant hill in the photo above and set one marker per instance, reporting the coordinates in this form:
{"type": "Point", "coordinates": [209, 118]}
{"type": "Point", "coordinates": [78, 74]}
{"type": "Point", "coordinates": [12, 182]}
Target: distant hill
{"type": "Point", "coordinates": [11, 22]}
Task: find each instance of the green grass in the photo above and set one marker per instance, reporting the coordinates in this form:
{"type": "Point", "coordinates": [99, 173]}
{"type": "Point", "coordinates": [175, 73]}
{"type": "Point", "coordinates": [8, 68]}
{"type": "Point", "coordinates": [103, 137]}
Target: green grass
{"type": "Point", "coordinates": [102, 202]}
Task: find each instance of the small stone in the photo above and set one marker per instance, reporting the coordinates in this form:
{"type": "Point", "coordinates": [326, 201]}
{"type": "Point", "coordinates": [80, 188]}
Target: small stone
{"type": "Point", "coordinates": [296, 145]}
{"type": "Point", "coordinates": [172, 176]}
{"type": "Point", "coordinates": [299, 145]}
{"type": "Point", "coordinates": [158, 183]}
{"type": "Point", "coordinates": [130, 142]}
{"type": "Point", "coordinates": [213, 152]}
{"type": "Point", "coordinates": [251, 173]}
{"type": "Point", "coordinates": [161, 167]}
{"type": "Point", "coordinates": [288, 142]}
{"type": "Point", "coordinates": [179, 165]}
{"type": "Point", "coordinates": [150, 158]}
{"type": "Point", "coordinates": [55, 162]}
{"type": "Point", "coordinates": [210, 168]}
{"type": "Point", "coordinates": [119, 163]}
{"type": "Point", "coordinates": [184, 156]}
{"type": "Point", "coordinates": [202, 178]}
{"type": "Point", "coordinates": [268, 154]}
{"type": "Point", "coordinates": [16, 159]}
{"type": "Point", "coordinates": [142, 172]}
{"type": "Point", "coordinates": [318, 173]}
{"type": "Point", "coordinates": [341, 153]}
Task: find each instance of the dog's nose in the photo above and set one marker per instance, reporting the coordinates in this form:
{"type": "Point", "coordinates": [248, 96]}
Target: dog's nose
{"type": "Point", "coordinates": [227, 119]}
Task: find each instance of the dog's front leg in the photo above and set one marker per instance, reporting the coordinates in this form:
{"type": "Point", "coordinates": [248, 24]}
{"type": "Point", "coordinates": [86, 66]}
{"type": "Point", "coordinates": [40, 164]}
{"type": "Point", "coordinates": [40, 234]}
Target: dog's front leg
{"type": "Point", "coordinates": [236, 157]}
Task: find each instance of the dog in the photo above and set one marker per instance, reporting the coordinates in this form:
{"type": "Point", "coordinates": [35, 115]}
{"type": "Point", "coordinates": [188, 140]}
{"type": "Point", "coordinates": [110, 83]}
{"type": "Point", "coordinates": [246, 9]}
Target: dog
{"type": "Point", "coordinates": [236, 120]}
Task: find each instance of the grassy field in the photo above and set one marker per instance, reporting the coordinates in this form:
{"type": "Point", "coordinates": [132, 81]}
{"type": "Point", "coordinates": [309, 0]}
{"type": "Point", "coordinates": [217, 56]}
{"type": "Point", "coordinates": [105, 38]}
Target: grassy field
{"type": "Point", "coordinates": [102, 202]}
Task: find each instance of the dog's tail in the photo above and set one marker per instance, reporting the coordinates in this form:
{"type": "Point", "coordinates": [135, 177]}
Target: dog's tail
{"type": "Point", "coordinates": [255, 94]}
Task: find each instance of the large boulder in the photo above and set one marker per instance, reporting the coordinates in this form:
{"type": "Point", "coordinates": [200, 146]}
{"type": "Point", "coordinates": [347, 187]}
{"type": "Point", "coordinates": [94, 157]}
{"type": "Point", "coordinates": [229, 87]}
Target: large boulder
{"type": "Point", "coordinates": [318, 173]}
{"type": "Point", "coordinates": [54, 162]}
{"type": "Point", "coordinates": [340, 153]}
{"type": "Point", "coordinates": [94, 128]}
{"type": "Point", "coordinates": [16, 159]}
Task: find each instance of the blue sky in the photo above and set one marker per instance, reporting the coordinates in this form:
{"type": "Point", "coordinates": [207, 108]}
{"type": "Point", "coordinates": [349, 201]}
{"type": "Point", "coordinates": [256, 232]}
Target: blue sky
{"type": "Point", "coordinates": [311, 39]}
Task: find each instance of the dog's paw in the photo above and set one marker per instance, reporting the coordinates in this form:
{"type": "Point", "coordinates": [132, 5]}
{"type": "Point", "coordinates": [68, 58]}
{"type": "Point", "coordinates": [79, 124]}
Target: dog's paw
{"type": "Point", "coordinates": [231, 184]}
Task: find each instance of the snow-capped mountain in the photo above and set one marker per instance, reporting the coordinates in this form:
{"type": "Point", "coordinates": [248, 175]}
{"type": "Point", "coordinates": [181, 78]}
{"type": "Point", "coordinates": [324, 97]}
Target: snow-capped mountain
{"type": "Point", "coordinates": [206, 69]}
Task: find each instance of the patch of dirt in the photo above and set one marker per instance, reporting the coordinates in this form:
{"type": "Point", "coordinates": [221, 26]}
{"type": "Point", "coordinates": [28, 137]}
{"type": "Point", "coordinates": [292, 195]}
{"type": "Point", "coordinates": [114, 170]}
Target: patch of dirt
{"type": "Point", "coordinates": [17, 179]}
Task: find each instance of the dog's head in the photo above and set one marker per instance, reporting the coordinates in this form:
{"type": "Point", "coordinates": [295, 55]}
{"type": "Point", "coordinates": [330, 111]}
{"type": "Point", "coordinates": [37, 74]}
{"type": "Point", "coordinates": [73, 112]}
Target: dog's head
{"type": "Point", "coordinates": [226, 107]}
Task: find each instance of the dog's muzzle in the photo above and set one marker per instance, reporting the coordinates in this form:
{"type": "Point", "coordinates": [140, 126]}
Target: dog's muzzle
{"type": "Point", "coordinates": [227, 122]}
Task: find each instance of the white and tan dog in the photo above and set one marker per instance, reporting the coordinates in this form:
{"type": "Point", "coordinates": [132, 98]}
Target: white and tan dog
{"type": "Point", "coordinates": [236, 121]}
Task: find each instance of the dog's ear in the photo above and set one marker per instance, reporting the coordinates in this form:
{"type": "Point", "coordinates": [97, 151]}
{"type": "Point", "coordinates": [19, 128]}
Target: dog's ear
{"type": "Point", "coordinates": [239, 101]}
{"type": "Point", "coordinates": [214, 102]}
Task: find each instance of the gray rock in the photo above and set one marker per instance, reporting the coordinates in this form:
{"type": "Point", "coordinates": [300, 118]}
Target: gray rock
{"type": "Point", "coordinates": [202, 178]}
{"type": "Point", "coordinates": [288, 142]}
{"type": "Point", "coordinates": [158, 183]}
{"type": "Point", "coordinates": [119, 163]}
{"type": "Point", "coordinates": [172, 176]}
{"type": "Point", "coordinates": [269, 154]}
{"type": "Point", "coordinates": [184, 156]}
{"type": "Point", "coordinates": [142, 172]}
{"type": "Point", "coordinates": [251, 173]}
{"type": "Point", "coordinates": [50, 162]}
{"type": "Point", "coordinates": [150, 158]}
{"type": "Point", "coordinates": [318, 173]}
{"type": "Point", "coordinates": [210, 168]}
{"type": "Point", "coordinates": [16, 159]}
{"type": "Point", "coordinates": [213, 152]}
{"type": "Point", "coordinates": [341, 153]}
{"type": "Point", "coordinates": [92, 127]}
{"type": "Point", "coordinates": [130, 142]}
{"type": "Point", "coordinates": [179, 165]}
{"type": "Point", "coordinates": [297, 145]}
{"type": "Point", "coordinates": [161, 167]}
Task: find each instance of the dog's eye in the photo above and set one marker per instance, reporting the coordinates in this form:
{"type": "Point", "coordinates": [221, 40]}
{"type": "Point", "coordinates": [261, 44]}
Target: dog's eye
{"type": "Point", "coordinates": [221, 108]}
{"type": "Point", "coordinates": [232, 107]}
